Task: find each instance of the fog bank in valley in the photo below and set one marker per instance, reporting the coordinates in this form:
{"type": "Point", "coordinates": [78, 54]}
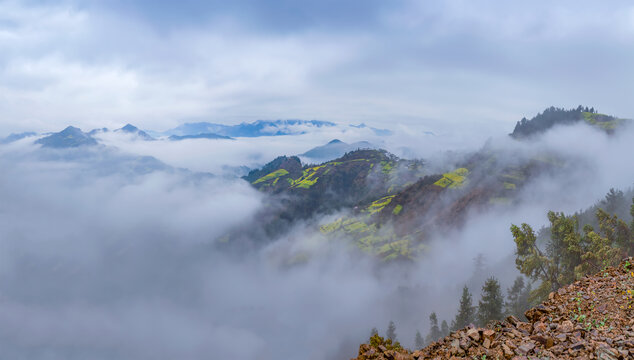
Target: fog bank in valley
{"type": "Point", "coordinates": [111, 264]}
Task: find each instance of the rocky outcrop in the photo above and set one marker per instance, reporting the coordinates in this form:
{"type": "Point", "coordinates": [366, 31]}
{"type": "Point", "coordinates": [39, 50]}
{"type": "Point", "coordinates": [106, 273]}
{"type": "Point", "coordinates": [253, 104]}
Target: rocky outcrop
{"type": "Point", "coordinates": [590, 319]}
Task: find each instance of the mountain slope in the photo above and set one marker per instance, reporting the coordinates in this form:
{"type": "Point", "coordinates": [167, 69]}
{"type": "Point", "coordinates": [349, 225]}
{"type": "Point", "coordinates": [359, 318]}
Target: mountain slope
{"type": "Point", "coordinates": [392, 205]}
{"type": "Point", "coordinates": [397, 225]}
{"type": "Point", "coordinates": [15, 137]}
{"type": "Point", "coordinates": [298, 192]}
{"type": "Point", "coordinates": [591, 318]}
{"type": "Point", "coordinates": [557, 116]}
{"type": "Point", "coordinates": [67, 138]}
{"type": "Point", "coordinates": [131, 129]}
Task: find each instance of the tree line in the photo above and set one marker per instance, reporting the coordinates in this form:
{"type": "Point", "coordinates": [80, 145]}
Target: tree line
{"type": "Point", "coordinates": [571, 247]}
{"type": "Point", "coordinates": [491, 306]}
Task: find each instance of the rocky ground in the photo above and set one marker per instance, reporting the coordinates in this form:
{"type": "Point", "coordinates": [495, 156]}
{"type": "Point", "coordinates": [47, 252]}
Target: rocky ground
{"type": "Point", "coordinates": [592, 318]}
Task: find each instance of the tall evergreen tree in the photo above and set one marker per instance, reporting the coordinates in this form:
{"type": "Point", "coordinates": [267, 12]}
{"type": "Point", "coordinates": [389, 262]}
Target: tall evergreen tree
{"type": "Point", "coordinates": [374, 331]}
{"type": "Point", "coordinates": [517, 300]}
{"type": "Point", "coordinates": [479, 264]}
{"type": "Point", "coordinates": [434, 330]}
{"type": "Point", "coordinates": [419, 341]}
{"type": "Point", "coordinates": [391, 331]}
{"type": "Point", "coordinates": [444, 328]}
{"type": "Point", "coordinates": [490, 305]}
{"type": "Point", "coordinates": [554, 265]}
{"type": "Point", "coordinates": [613, 201]}
{"type": "Point", "coordinates": [466, 311]}
{"type": "Point", "coordinates": [569, 254]}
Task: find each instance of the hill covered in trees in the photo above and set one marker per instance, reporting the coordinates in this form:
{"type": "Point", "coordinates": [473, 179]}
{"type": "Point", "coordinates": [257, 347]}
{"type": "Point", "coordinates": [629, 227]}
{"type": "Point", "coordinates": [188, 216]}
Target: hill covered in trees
{"type": "Point", "coordinates": [558, 116]}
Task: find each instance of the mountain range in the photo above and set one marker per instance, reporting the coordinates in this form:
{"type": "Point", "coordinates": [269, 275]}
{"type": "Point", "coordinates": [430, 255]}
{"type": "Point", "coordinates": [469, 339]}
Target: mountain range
{"type": "Point", "coordinates": [253, 129]}
{"type": "Point", "coordinates": [391, 205]}
{"type": "Point", "coordinates": [74, 137]}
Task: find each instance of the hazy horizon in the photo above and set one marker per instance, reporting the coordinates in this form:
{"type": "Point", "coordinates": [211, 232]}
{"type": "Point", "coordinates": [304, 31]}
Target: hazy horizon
{"type": "Point", "coordinates": [97, 64]}
{"type": "Point", "coordinates": [116, 245]}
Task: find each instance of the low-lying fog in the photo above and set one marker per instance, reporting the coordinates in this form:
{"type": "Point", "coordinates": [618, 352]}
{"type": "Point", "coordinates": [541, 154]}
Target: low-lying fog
{"type": "Point", "coordinates": [98, 264]}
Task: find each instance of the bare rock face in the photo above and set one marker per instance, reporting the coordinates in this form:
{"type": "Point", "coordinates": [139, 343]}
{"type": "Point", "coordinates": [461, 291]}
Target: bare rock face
{"type": "Point", "coordinates": [592, 318]}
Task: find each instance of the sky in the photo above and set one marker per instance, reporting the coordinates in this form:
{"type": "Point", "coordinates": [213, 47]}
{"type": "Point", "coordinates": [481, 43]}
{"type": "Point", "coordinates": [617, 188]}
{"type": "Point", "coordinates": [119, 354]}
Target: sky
{"type": "Point", "coordinates": [157, 64]}
{"type": "Point", "coordinates": [101, 259]}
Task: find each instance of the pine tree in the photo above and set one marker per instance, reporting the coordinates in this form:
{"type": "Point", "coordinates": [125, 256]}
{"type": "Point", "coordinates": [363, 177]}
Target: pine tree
{"type": "Point", "coordinates": [391, 331]}
{"type": "Point", "coordinates": [555, 265]}
{"type": "Point", "coordinates": [466, 312]}
{"type": "Point", "coordinates": [490, 305]}
{"type": "Point", "coordinates": [374, 331]}
{"type": "Point", "coordinates": [419, 341]}
{"type": "Point", "coordinates": [479, 263]}
{"type": "Point", "coordinates": [434, 330]}
{"type": "Point", "coordinates": [444, 328]}
{"type": "Point", "coordinates": [613, 201]}
{"type": "Point", "coordinates": [512, 306]}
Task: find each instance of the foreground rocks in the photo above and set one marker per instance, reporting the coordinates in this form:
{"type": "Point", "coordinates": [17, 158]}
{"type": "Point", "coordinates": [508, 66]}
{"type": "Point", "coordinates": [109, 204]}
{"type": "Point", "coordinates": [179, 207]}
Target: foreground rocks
{"type": "Point", "coordinates": [590, 319]}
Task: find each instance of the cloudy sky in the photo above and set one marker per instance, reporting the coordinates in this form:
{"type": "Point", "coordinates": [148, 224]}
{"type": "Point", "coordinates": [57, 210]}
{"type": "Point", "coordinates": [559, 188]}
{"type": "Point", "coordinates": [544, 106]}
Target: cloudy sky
{"type": "Point", "coordinates": [160, 63]}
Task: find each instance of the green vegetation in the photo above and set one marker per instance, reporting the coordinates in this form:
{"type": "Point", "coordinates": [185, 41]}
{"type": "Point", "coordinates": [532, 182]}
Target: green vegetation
{"type": "Point", "coordinates": [357, 227]}
{"type": "Point", "coordinates": [603, 121]}
{"type": "Point", "coordinates": [377, 341]}
{"type": "Point", "coordinates": [387, 167]}
{"type": "Point", "coordinates": [348, 225]}
{"type": "Point", "coordinates": [305, 183]}
{"type": "Point", "coordinates": [568, 254]}
{"type": "Point", "coordinates": [378, 205]}
{"type": "Point", "coordinates": [419, 342]}
{"type": "Point", "coordinates": [397, 209]}
{"type": "Point", "coordinates": [434, 330]}
{"type": "Point", "coordinates": [490, 305]}
{"type": "Point", "coordinates": [509, 186]}
{"type": "Point", "coordinates": [368, 238]}
{"type": "Point", "coordinates": [391, 331]}
{"type": "Point", "coordinates": [274, 175]}
{"type": "Point", "coordinates": [308, 178]}
{"type": "Point", "coordinates": [466, 311]}
{"type": "Point", "coordinates": [454, 179]}
{"type": "Point", "coordinates": [395, 249]}
{"type": "Point", "coordinates": [557, 116]}
{"type": "Point", "coordinates": [518, 298]}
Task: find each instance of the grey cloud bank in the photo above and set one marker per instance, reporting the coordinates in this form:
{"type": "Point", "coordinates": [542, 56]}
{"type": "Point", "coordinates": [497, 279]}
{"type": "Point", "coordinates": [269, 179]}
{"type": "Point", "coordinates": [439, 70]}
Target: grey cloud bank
{"type": "Point", "coordinates": [108, 264]}
{"type": "Point", "coordinates": [158, 64]}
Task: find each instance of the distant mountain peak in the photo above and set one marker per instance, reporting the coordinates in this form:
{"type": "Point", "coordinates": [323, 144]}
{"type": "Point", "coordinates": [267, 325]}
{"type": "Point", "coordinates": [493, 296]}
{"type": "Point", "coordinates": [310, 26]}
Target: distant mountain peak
{"type": "Point", "coordinates": [72, 129]}
{"type": "Point", "coordinates": [129, 128]}
{"type": "Point", "coordinates": [68, 138]}
{"type": "Point", "coordinates": [336, 141]}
